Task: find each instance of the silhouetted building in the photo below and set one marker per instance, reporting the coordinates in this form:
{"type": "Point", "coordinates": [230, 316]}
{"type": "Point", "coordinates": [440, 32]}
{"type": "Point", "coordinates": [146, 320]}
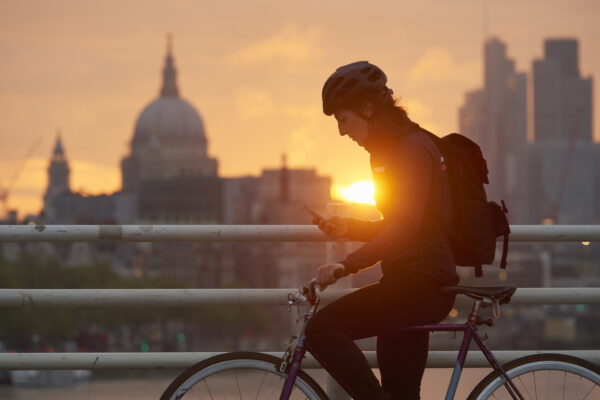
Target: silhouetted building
{"type": "Point", "coordinates": [562, 99]}
{"type": "Point", "coordinates": [495, 117]}
{"type": "Point", "coordinates": [58, 178]}
{"type": "Point", "coordinates": [563, 161]}
{"type": "Point", "coordinates": [168, 178]}
{"type": "Point", "coordinates": [169, 138]}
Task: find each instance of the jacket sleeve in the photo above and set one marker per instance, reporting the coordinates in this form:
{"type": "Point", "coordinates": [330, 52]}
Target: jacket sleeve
{"type": "Point", "coordinates": [364, 231]}
{"type": "Point", "coordinates": [410, 177]}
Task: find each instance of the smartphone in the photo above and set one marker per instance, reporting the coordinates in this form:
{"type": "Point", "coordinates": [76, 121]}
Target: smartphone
{"type": "Point", "coordinates": [314, 214]}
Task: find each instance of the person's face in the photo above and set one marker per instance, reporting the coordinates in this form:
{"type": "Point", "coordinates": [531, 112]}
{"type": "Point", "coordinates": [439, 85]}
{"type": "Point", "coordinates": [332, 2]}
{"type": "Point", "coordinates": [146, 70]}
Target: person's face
{"type": "Point", "coordinates": [352, 125]}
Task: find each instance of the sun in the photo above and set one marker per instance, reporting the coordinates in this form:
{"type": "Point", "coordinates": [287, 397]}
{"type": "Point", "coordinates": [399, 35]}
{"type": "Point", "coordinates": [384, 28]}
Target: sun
{"type": "Point", "coordinates": [359, 192]}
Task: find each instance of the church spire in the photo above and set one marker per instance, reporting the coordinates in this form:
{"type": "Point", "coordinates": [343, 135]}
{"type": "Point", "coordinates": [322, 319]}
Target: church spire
{"type": "Point", "coordinates": [58, 177]}
{"type": "Point", "coordinates": [58, 147]}
{"type": "Point", "coordinates": [169, 87]}
{"type": "Point", "coordinates": [59, 152]}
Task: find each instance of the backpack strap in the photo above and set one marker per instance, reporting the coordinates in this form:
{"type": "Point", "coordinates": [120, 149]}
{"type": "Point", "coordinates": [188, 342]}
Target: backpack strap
{"type": "Point", "coordinates": [505, 244]}
{"type": "Point", "coordinates": [504, 252]}
{"type": "Point", "coordinates": [478, 271]}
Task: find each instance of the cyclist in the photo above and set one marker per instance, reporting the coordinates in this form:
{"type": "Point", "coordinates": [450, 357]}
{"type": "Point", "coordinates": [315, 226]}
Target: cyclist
{"type": "Point", "coordinates": [412, 194]}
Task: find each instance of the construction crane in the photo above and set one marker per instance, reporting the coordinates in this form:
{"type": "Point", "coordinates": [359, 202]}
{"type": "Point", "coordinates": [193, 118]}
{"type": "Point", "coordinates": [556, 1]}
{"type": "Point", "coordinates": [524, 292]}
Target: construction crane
{"type": "Point", "coordinates": [555, 206]}
{"type": "Point", "coordinates": [5, 189]}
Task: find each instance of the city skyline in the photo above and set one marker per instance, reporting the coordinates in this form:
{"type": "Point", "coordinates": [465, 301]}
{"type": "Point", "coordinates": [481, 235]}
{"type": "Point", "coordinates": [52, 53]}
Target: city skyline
{"type": "Point", "coordinates": [245, 84]}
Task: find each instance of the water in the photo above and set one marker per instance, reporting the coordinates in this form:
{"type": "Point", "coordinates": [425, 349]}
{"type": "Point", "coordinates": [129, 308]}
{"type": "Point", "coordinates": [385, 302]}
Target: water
{"type": "Point", "coordinates": [435, 383]}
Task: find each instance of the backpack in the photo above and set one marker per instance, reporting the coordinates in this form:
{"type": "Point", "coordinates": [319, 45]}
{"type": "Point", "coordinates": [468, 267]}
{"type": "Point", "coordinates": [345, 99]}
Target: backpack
{"type": "Point", "coordinates": [476, 222]}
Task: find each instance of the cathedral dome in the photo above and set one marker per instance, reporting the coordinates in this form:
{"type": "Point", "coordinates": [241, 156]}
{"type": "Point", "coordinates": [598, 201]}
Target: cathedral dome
{"type": "Point", "coordinates": [168, 117]}
{"type": "Point", "coordinates": [169, 140]}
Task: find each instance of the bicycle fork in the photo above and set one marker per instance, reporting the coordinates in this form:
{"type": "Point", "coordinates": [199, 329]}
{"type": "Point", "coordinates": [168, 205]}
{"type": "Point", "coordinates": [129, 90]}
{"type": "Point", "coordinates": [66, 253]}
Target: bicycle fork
{"type": "Point", "coordinates": [298, 355]}
{"type": "Point", "coordinates": [294, 367]}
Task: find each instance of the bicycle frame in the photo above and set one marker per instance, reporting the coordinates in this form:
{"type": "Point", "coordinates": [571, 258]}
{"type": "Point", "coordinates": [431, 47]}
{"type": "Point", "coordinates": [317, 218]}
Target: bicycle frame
{"type": "Point", "coordinates": [298, 355]}
{"type": "Point", "coordinates": [470, 333]}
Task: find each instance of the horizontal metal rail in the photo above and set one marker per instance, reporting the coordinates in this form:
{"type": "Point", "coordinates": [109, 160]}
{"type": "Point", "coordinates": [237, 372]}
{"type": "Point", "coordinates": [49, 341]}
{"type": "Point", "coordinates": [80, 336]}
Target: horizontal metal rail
{"type": "Point", "coordinates": [198, 297]}
{"type": "Point", "coordinates": [246, 233]}
{"type": "Point", "coordinates": [173, 360]}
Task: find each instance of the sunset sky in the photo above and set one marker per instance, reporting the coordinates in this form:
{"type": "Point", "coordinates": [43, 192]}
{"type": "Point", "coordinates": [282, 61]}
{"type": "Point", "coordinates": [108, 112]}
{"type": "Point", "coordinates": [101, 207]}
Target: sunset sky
{"type": "Point", "coordinates": [254, 71]}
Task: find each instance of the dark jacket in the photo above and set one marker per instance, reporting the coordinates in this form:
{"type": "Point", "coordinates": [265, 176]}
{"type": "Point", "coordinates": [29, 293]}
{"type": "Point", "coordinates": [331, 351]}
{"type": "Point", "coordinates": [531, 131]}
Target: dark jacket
{"type": "Point", "coordinates": [412, 193]}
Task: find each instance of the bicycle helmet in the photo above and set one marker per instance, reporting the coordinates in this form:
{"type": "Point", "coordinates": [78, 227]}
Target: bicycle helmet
{"type": "Point", "coordinates": [350, 81]}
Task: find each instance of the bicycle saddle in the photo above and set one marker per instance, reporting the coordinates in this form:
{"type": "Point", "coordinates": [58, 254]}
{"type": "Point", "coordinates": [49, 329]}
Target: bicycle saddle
{"type": "Point", "coordinates": [501, 294]}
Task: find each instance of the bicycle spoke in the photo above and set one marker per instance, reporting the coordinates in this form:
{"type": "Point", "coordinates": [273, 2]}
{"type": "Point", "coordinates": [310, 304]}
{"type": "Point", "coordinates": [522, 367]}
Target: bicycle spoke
{"type": "Point", "coordinates": [548, 391]}
{"type": "Point", "coordinates": [237, 383]}
{"type": "Point", "coordinates": [577, 391]}
{"type": "Point", "coordinates": [524, 387]}
{"type": "Point", "coordinates": [198, 395]}
{"type": "Point", "coordinates": [591, 390]}
{"type": "Point", "coordinates": [262, 382]}
{"type": "Point", "coordinates": [208, 389]}
{"type": "Point", "coordinates": [535, 386]}
{"type": "Point", "coordinates": [272, 391]}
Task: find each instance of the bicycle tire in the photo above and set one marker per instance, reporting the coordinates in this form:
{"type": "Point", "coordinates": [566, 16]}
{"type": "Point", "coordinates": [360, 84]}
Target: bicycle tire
{"type": "Point", "coordinates": [221, 373]}
{"type": "Point", "coordinates": [557, 375]}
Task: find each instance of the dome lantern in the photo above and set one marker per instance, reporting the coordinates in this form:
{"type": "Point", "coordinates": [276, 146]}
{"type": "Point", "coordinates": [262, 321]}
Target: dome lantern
{"type": "Point", "coordinates": [169, 87]}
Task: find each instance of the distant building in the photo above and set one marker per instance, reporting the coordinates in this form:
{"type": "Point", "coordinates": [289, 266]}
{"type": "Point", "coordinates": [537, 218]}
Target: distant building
{"type": "Point", "coordinates": [169, 178]}
{"type": "Point", "coordinates": [169, 140]}
{"type": "Point", "coordinates": [495, 117]}
{"type": "Point", "coordinates": [562, 99]}
{"type": "Point", "coordinates": [563, 161]}
{"type": "Point", "coordinates": [58, 178]}
{"type": "Point", "coordinates": [564, 182]}
{"type": "Point", "coordinates": [63, 206]}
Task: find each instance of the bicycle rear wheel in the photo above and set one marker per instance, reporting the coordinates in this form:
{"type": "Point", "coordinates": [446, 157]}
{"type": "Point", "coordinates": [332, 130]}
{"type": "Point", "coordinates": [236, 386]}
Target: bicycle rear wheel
{"type": "Point", "coordinates": [543, 376]}
{"type": "Point", "coordinates": [239, 375]}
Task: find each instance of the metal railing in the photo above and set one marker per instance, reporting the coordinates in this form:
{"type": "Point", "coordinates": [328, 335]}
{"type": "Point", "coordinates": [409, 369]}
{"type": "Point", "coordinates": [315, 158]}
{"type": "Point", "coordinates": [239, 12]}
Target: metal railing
{"type": "Point", "coordinates": [196, 297]}
{"type": "Point", "coordinates": [246, 233]}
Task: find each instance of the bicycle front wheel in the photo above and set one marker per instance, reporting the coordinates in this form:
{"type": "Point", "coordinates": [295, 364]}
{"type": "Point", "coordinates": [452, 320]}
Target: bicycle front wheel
{"type": "Point", "coordinates": [543, 376]}
{"type": "Point", "coordinates": [240, 375]}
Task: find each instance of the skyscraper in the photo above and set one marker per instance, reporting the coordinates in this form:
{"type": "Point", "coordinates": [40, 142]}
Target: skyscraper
{"type": "Point", "coordinates": [562, 99]}
{"type": "Point", "coordinates": [562, 160]}
{"type": "Point", "coordinates": [495, 118]}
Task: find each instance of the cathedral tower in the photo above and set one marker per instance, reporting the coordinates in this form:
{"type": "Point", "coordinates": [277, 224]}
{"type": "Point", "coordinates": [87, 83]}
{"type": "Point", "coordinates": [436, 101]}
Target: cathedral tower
{"type": "Point", "coordinates": [58, 177]}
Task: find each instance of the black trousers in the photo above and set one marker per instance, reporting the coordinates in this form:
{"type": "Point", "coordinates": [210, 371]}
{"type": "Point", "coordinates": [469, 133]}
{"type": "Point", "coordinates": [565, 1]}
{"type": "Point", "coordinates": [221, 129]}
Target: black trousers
{"type": "Point", "coordinates": [379, 310]}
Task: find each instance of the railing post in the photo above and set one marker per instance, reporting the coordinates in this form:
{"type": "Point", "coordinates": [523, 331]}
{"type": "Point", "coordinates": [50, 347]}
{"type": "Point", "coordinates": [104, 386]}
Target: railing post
{"type": "Point", "coordinates": [337, 251]}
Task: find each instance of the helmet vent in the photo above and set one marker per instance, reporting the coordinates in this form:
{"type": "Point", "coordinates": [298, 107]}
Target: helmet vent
{"type": "Point", "coordinates": [374, 76]}
{"type": "Point", "coordinates": [335, 85]}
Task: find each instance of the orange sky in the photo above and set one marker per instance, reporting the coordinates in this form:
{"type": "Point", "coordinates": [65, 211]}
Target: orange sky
{"type": "Point", "coordinates": [253, 70]}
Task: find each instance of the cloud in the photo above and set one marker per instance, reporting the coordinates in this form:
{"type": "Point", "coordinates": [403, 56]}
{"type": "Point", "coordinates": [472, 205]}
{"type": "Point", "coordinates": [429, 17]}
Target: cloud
{"type": "Point", "coordinates": [438, 67]}
{"type": "Point", "coordinates": [291, 45]}
{"type": "Point", "coordinates": [436, 86]}
{"type": "Point", "coordinates": [421, 112]}
{"type": "Point", "coordinates": [301, 145]}
{"type": "Point", "coordinates": [255, 103]}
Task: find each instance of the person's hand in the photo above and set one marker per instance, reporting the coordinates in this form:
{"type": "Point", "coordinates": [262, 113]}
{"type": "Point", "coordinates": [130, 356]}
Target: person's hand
{"type": "Point", "coordinates": [334, 227]}
{"type": "Point", "coordinates": [328, 274]}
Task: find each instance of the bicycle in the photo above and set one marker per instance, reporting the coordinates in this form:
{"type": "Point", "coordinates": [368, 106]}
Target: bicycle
{"type": "Point", "coordinates": [262, 376]}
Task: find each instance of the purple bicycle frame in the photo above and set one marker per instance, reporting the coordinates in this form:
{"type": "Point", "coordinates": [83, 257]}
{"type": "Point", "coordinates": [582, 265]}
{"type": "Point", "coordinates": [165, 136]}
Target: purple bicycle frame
{"type": "Point", "coordinates": [295, 367]}
{"type": "Point", "coordinates": [469, 334]}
